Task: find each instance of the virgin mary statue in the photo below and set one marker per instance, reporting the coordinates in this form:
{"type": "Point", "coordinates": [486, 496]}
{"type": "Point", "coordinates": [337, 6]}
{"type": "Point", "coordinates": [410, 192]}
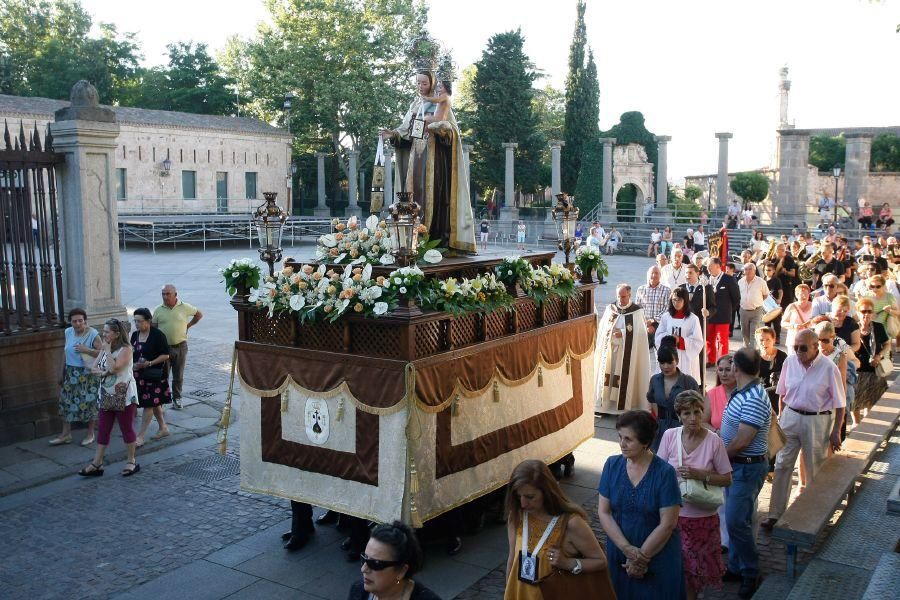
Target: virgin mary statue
{"type": "Point", "coordinates": [432, 167]}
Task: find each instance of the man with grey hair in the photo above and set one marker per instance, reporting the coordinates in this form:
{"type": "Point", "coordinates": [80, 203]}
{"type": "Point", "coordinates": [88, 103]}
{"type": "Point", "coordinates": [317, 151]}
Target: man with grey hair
{"type": "Point", "coordinates": [653, 298]}
{"type": "Point", "coordinates": [674, 273]}
{"type": "Point", "coordinates": [812, 399]}
{"type": "Point", "coordinates": [623, 358]}
{"type": "Point", "coordinates": [754, 291]}
{"type": "Point", "coordinates": [174, 317]}
{"type": "Point", "coordinates": [822, 302]}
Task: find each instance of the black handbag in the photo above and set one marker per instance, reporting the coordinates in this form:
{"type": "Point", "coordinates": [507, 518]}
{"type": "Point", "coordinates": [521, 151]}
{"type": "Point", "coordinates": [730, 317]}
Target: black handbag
{"type": "Point", "coordinates": [154, 373]}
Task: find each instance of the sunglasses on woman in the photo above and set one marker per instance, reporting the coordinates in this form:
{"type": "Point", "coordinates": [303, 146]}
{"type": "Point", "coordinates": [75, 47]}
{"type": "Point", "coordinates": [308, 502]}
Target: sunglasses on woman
{"type": "Point", "coordinates": [378, 565]}
{"type": "Point", "coordinates": [826, 340]}
{"type": "Point", "coordinates": [801, 348]}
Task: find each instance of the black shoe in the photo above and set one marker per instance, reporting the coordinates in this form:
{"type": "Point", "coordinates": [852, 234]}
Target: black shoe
{"type": "Point", "coordinates": [296, 542]}
{"type": "Point", "coordinates": [285, 536]}
{"type": "Point", "coordinates": [731, 576]}
{"type": "Point", "coordinates": [748, 587]}
{"type": "Point", "coordinates": [329, 518]}
{"type": "Point", "coordinates": [454, 545]}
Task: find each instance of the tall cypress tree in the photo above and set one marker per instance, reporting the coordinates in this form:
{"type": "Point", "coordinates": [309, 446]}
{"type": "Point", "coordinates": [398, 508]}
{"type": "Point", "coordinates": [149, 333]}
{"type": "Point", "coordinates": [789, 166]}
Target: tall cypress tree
{"type": "Point", "coordinates": [572, 151]}
{"type": "Point", "coordinates": [588, 192]}
{"type": "Point", "coordinates": [503, 95]}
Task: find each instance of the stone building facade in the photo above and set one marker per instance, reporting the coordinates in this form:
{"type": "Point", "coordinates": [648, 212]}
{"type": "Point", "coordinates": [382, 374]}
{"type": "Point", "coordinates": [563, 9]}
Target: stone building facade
{"type": "Point", "coordinates": [215, 163]}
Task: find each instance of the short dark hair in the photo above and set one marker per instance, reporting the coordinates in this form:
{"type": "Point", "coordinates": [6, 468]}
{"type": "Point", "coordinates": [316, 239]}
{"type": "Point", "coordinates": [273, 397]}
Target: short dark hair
{"type": "Point", "coordinates": [77, 311]}
{"type": "Point", "coordinates": [402, 540]}
{"type": "Point", "coordinates": [143, 313]}
{"type": "Point", "coordinates": [747, 361]}
{"type": "Point", "coordinates": [641, 422]}
{"type": "Point", "coordinates": [667, 352]}
{"type": "Point", "coordinates": [686, 305]}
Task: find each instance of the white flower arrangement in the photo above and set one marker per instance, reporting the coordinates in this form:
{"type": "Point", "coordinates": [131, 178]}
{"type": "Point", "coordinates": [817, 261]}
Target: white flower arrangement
{"type": "Point", "coordinates": [371, 243]}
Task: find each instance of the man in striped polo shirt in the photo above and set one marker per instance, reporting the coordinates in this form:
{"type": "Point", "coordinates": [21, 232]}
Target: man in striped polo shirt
{"type": "Point", "coordinates": [745, 431]}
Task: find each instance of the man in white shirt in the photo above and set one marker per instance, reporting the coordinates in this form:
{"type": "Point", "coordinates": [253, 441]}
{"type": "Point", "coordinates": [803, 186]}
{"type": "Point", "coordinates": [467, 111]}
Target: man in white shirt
{"type": "Point", "coordinates": [812, 410]}
{"type": "Point", "coordinates": [699, 240]}
{"type": "Point", "coordinates": [822, 302]}
{"type": "Point", "coordinates": [754, 291]}
{"type": "Point", "coordinates": [674, 274]}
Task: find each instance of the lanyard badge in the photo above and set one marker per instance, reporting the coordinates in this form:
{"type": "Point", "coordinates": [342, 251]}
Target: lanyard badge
{"type": "Point", "coordinates": [529, 562]}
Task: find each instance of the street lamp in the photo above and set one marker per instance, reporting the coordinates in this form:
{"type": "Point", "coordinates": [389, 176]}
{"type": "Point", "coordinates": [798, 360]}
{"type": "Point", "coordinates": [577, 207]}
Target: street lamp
{"type": "Point", "coordinates": [836, 173]}
{"type": "Point", "coordinates": [269, 219]}
{"type": "Point", "coordinates": [709, 182]}
{"type": "Point", "coordinates": [565, 213]}
{"type": "Point", "coordinates": [405, 222]}
{"type": "Point", "coordinates": [166, 167]}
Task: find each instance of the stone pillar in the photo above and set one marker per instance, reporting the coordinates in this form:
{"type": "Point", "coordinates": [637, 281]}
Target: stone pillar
{"type": "Point", "coordinates": [352, 191]}
{"type": "Point", "coordinates": [388, 177]}
{"type": "Point", "coordinates": [509, 212]}
{"type": "Point", "coordinates": [607, 195]}
{"type": "Point", "coordinates": [321, 209]}
{"type": "Point", "coordinates": [793, 174]}
{"type": "Point", "coordinates": [555, 172]}
{"type": "Point", "coordinates": [722, 176]}
{"type": "Point", "coordinates": [662, 175]}
{"type": "Point", "coordinates": [856, 167]}
{"type": "Point", "coordinates": [87, 134]}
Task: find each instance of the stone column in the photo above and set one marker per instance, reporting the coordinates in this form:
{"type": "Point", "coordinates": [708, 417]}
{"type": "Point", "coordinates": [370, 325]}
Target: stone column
{"type": "Point", "coordinates": [321, 209]}
{"type": "Point", "coordinates": [722, 176]}
{"type": "Point", "coordinates": [856, 167]}
{"type": "Point", "coordinates": [352, 191]}
{"type": "Point", "coordinates": [662, 175]}
{"type": "Point", "coordinates": [388, 177]}
{"type": "Point", "coordinates": [509, 212]}
{"type": "Point", "coordinates": [87, 134]}
{"type": "Point", "coordinates": [607, 195]}
{"type": "Point", "coordinates": [793, 173]}
{"type": "Point", "coordinates": [555, 172]}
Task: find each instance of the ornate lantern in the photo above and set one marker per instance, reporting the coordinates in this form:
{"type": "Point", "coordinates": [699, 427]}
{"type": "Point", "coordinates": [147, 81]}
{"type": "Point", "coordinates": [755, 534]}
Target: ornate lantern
{"type": "Point", "coordinates": [270, 219]}
{"type": "Point", "coordinates": [565, 213]}
{"type": "Point", "coordinates": [405, 223]}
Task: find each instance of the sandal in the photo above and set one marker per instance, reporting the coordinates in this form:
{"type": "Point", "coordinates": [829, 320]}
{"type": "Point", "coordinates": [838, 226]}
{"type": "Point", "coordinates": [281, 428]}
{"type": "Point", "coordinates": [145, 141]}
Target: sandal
{"type": "Point", "coordinates": [138, 442]}
{"type": "Point", "coordinates": [160, 435]}
{"type": "Point", "coordinates": [59, 441]}
{"type": "Point", "coordinates": [126, 472]}
{"type": "Point", "coordinates": [96, 471]}
{"type": "Point", "coordinates": [87, 441]}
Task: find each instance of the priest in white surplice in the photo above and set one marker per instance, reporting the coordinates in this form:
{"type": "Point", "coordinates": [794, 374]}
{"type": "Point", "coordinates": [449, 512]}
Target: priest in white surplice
{"type": "Point", "coordinates": [685, 328]}
{"type": "Point", "coordinates": [623, 361]}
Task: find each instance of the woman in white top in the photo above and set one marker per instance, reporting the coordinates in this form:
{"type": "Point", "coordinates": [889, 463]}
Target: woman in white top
{"type": "Point", "coordinates": [679, 323]}
{"type": "Point", "coordinates": [797, 316]}
{"type": "Point", "coordinates": [114, 367]}
{"type": "Point", "coordinates": [655, 239]}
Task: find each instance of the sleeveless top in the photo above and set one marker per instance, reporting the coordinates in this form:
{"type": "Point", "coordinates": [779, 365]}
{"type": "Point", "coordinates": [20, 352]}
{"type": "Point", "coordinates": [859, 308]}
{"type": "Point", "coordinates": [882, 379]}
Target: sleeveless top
{"type": "Point", "coordinates": [718, 398]}
{"type": "Point", "coordinates": [73, 358]}
{"type": "Point", "coordinates": [109, 381]}
{"type": "Point", "coordinates": [519, 590]}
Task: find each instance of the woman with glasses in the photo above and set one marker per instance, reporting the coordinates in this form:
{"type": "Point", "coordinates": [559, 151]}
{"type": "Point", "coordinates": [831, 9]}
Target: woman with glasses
{"type": "Point", "coordinates": [114, 368]}
{"type": "Point", "coordinates": [392, 556]}
{"type": "Point", "coordinates": [549, 538]}
{"type": "Point", "coordinates": [845, 326]}
{"type": "Point", "coordinates": [874, 345]}
{"type": "Point", "coordinates": [884, 303]}
{"type": "Point", "coordinates": [151, 352]}
{"type": "Point", "coordinates": [684, 327]}
{"type": "Point", "coordinates": [798, 315]}
{"type": "Point", "coordinates": [839, 352]}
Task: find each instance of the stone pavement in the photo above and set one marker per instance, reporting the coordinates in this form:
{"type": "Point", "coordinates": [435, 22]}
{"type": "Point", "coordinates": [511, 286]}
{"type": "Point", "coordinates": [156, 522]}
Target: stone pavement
{"type": "Point", "coordinates": [182, 527]}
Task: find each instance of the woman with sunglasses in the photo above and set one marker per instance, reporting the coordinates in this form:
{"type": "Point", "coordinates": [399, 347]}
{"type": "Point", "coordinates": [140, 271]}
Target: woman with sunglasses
{"type": "Point", "coordinates": [874, 344]}
{"type": "Point", "coordinates": [392, 556]}
{"type": "Point", "coordinates": [549, 538]}
{"type": "Point", "coordinates": [839, 352]}
{"type": "Point", "coordinates": [798, 315]}
{"type": "Point", "coordinates": [884, 303]}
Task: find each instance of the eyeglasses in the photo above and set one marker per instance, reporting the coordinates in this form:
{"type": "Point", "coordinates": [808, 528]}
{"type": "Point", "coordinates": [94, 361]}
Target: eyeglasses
{"type": "Point", "coordinates": [801, 348]}
{"type": "Point", "coordinates": [830, 285]}
{"type": "Point", "coordinates": [167, 293]}
{"type": "Point", "coordinates": [874, 287]}
{"type": "Point", "coordinates": [378, 565]}
{"type": "Point", "coordinates": [826, 340]}
{"type": "Point", "coordinates": [866, 312]}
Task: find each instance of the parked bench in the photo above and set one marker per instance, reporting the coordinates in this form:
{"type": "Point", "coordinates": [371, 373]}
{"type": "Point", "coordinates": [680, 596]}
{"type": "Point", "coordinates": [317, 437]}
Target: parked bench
{"type": "Point", "coordinates": [805, 519]}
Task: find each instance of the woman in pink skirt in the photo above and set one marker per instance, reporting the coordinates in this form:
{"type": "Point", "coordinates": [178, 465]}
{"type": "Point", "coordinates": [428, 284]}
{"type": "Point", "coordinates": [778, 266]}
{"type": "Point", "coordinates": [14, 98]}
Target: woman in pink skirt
{"type": "Point", "coordinates": [699, 454]}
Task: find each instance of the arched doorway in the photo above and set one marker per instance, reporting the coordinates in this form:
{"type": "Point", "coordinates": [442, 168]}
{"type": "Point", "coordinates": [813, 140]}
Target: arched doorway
{"type": "Point", "coordinates": [628, 199]}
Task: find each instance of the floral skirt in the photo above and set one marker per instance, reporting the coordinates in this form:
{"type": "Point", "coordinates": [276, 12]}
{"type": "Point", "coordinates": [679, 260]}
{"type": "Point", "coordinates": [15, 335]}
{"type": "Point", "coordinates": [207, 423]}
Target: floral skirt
{"type": "Point", "coordinates": [869, 390]}
{"type": "Point", "coordinates": [701, 552]}
{"type": "Point", "coordinates": [78, 397]}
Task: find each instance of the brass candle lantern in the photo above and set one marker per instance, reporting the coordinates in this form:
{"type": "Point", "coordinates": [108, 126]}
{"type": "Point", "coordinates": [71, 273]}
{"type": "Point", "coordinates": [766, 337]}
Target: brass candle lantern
{"type": "Point", "coordinates": [405, 226]}
{"type": "Point", "coordinates": [565, 213]}
{"type": "Point", "coordinates": [270, 219]}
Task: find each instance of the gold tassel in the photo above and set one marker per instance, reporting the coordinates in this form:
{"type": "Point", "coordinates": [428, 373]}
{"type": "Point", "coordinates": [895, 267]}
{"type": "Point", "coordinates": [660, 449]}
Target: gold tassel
{"type": "Point", "coordinates": [454, 411]}
{"type": "Point", "coordinates": [413, 490]}
{"type": "Point", "coordinates": [540, 376]}
{"type": "Point", "coordinates": [496, 391]}
{"type": "Point", "coordinates": [284, 401]}
{"type": "Point", "coordinates": [340, 410]}
{"type": "Point", "coordinates": [225, 419]}
{"type": "Point", "coordinates": [568, 366]}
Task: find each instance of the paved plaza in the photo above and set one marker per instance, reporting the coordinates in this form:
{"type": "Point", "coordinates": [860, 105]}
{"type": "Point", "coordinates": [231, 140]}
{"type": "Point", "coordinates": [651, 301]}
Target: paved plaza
{"type": "Point", "coordinates": [182, 527]}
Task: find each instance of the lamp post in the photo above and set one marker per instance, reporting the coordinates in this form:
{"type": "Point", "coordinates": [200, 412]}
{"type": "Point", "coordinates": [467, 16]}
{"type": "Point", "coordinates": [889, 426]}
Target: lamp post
{"type": "Point", "coordinates": [166, 167]}
{"type": "Point", "coordinates": [709, 182]}
{"type": "Point", "coordinates": [565, 213]}
{"type": "Point", "coordinates": [405, 223]}
{"type": "Point", "coordinates": [270, 219]}
{"type": "Point", "coordinates": [836, 173]}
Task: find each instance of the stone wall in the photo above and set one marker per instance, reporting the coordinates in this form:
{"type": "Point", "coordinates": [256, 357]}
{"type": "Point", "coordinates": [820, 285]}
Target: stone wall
{"type": "Point", "coordinates": [143, 148]}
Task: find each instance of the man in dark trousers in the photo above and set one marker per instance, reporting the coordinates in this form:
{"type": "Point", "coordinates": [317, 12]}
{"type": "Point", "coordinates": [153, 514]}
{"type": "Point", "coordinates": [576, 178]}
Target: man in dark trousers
{"type": "Point", "coordinates": [728, 298]}
{"type": "Point", "coordinates": [703, 301]}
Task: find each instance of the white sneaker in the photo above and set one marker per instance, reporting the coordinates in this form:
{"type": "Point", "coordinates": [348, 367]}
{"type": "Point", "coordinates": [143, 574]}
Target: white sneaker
{"type": "Point", "coordinates": [176, 404]}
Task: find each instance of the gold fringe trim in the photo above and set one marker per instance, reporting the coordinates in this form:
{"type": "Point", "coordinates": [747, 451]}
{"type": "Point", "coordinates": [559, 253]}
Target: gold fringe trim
{"type": "Point", "coordinates": [225, 419]}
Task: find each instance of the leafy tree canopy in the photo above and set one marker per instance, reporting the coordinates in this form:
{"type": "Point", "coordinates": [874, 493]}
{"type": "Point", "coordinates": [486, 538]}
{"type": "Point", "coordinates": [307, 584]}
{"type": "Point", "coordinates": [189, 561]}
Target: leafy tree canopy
{"type": "Point", "coordinates": [631, 130]}
{"type": "Point", "coordinates": [885, 153]}
{"type": "Point", "coordinates": [751, 186]}
{"type": "Point", "coordinates": [827, 152]}
{"type": "Point", "coordinates": [692, 192]}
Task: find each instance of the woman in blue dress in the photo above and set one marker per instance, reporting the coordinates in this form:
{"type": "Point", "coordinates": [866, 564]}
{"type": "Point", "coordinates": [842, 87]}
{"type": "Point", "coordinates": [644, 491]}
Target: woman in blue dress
{"type": "Point", "coordinates": [638, 510]}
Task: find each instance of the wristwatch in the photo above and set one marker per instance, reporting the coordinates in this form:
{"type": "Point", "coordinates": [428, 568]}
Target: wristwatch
{"type": "Point", "coordinates": [577, 568]}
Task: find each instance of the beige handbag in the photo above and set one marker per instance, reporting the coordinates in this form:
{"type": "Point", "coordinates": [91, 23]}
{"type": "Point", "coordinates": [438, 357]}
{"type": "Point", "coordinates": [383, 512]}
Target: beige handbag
{"type": "Point", "coordinates": [777, 438]}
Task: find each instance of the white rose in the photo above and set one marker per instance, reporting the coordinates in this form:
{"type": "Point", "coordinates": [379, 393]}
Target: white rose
{"type": "Point", "coordinates": [386, 259]}
{"type": "Point", "coordinates": [372, 223]}
{"type": "Point", "coordinates": [367, 273]}
{"type": "Point", "coordinates": [402, 290]}
{"type": "Point", "coordinates": [433, 256]}
{"type": "Point", "coordinates": [297, 302]}
{"type": "Point", "coordinates": [328, 240]}
{"type": "Point", "coordinates": [380, 308]}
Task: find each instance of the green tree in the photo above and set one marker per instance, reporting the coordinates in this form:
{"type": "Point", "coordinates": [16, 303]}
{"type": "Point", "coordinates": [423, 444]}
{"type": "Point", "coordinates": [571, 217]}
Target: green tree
{"type": "Point", "coordinates": [588, 192]}
{"type": "Point", "coordinates": [827, 152]}
{"type": "Point", "coordinates": [631, 130]}
{"type": "Point", "coordinates": [574, 121]}
{"type": "Point", "coordinates": [692, 193]}
{"type": "Point", "coordinates": [750, 186]}
{"type": "Point", "coordinates": [885, 153]}
{"type": "Point", "coordinates": [346, 62]}
{"type": "Point", "coordinates": [464, 100]}
{"type": "Point", "coordinates": [46, 46]}
{"type": "Point", "coordinates": [503, 96]}
{"type": "Point", "coordinates": [687, 209]}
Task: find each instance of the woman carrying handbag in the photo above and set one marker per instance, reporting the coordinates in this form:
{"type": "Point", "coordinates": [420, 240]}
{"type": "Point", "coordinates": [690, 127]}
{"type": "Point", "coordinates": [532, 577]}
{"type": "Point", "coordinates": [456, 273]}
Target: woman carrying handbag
{"type": "Point", "coordinates": [151, 362]}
